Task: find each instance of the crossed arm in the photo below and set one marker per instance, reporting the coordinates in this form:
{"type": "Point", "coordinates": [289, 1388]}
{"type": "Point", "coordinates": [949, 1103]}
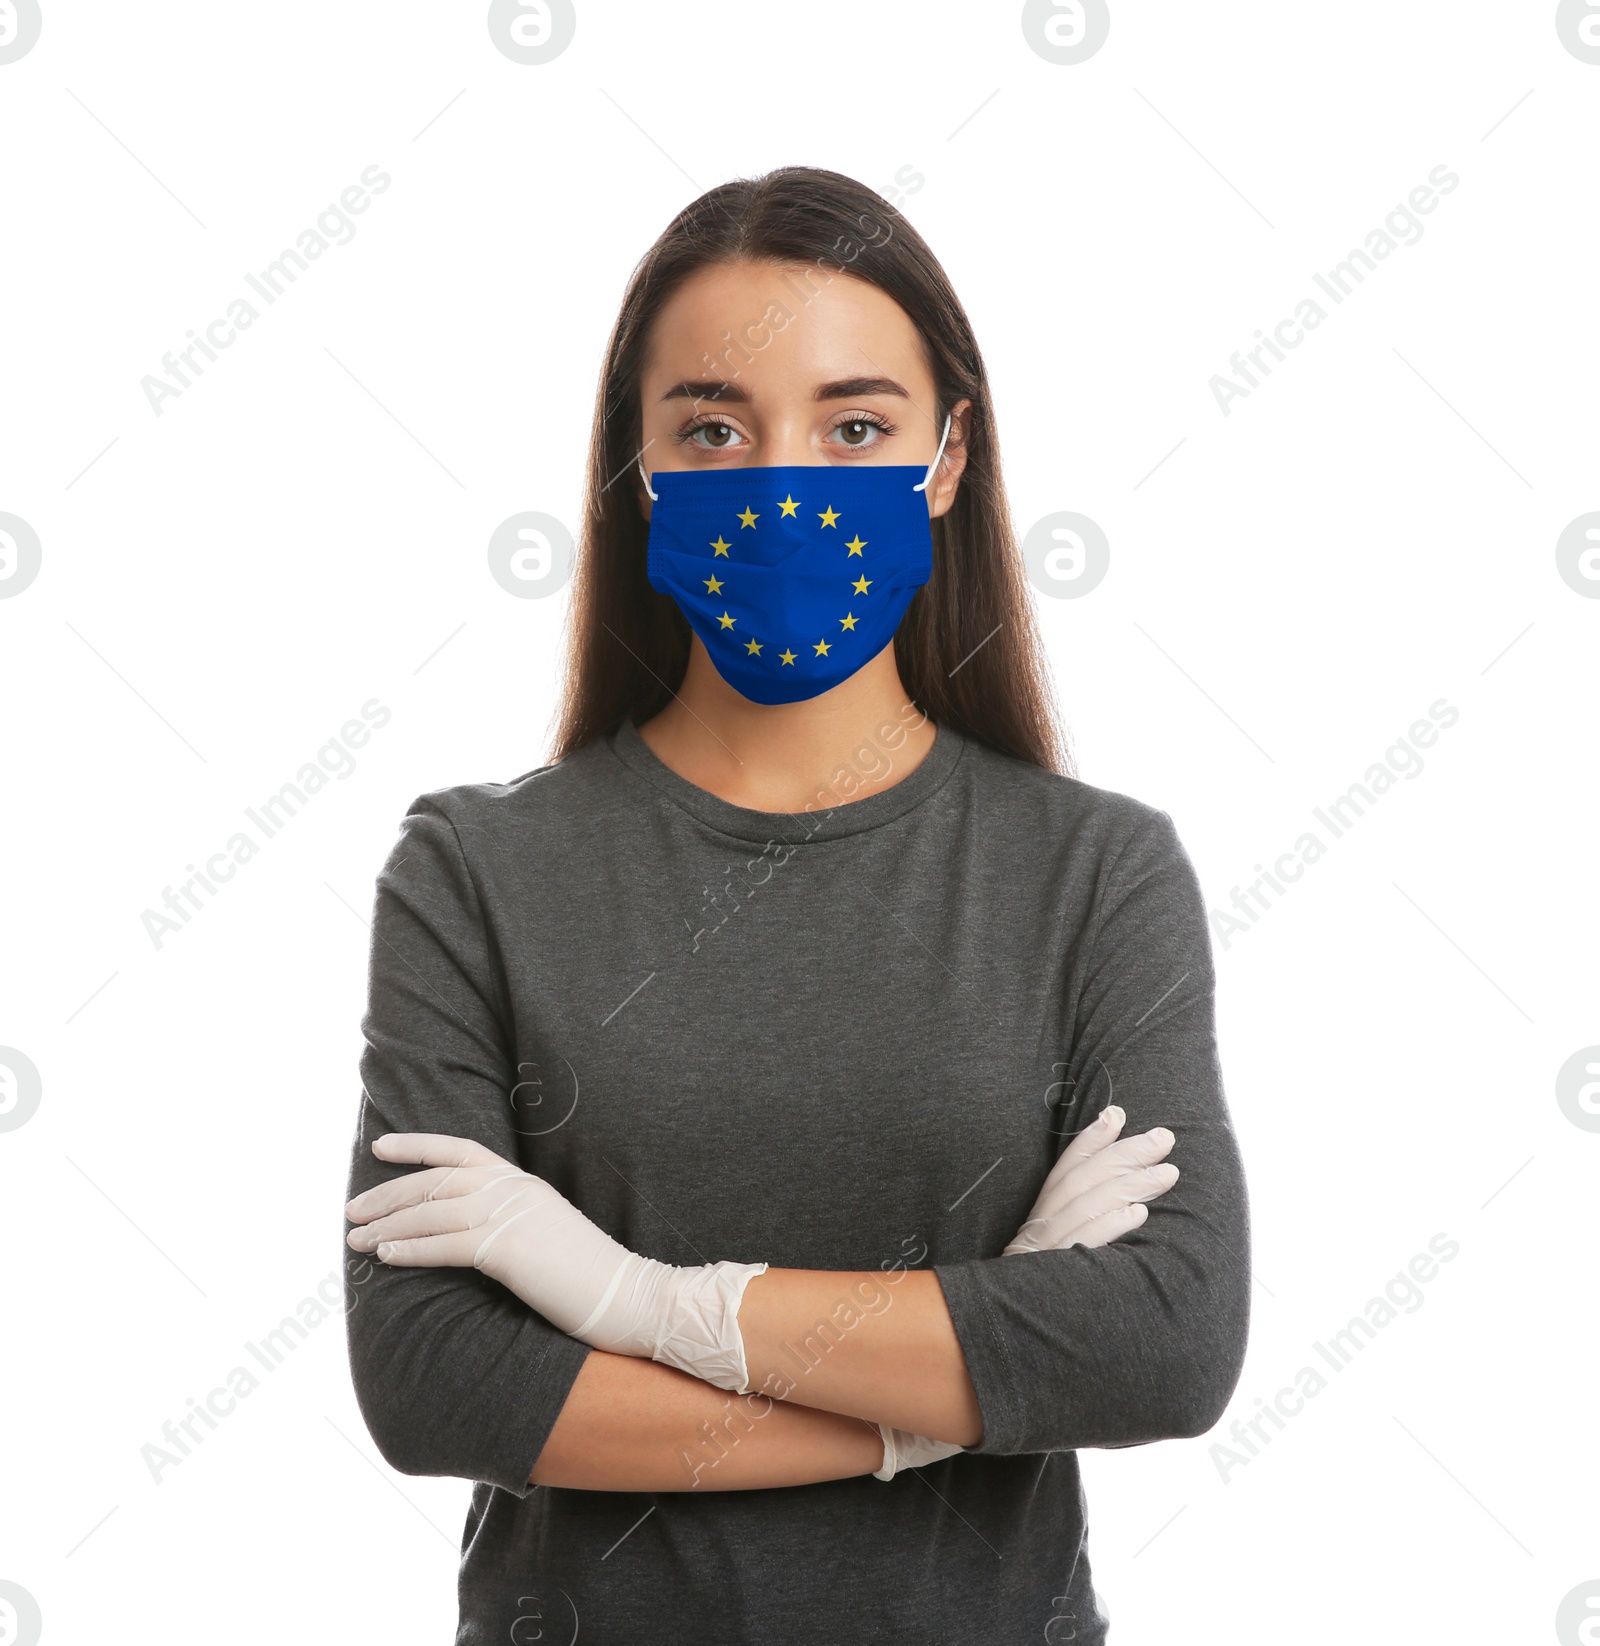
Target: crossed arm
{"type": "Point", "coordinates": [633, 1425]}
{"type": "Point", "coordinates": [814, 1395]}
{"type": "Point", "coordinates": [458, 1375]}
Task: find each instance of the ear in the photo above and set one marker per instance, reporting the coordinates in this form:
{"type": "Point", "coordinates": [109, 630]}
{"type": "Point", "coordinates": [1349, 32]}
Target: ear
{"type": "Point", "coordinates": [952, 465]}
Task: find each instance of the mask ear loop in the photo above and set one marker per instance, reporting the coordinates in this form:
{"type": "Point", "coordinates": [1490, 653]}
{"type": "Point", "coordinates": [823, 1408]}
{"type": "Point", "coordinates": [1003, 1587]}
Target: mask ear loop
{"type": "Point", "coordinates": [644, 477]}
{"type": "Point", "coordinates": [936, 456]}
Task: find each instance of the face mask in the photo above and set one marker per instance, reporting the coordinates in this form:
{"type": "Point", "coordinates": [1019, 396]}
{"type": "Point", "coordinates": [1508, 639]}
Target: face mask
{"type": "Point", "coordinates": [793, 577]}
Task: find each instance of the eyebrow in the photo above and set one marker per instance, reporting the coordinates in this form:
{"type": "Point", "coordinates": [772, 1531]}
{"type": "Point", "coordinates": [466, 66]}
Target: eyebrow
{"type": "Point", "coordinates": [844, 388]}
{"type": "Point", "coordinates": [715, 388]}
{"type": "Point", "coordinates": [854, 388]}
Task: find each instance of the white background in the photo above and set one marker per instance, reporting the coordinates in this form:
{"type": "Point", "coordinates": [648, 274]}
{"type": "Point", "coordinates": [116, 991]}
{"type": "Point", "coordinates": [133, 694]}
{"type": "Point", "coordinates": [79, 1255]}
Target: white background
{"type": "Point", "coordinates": [1291, 585]}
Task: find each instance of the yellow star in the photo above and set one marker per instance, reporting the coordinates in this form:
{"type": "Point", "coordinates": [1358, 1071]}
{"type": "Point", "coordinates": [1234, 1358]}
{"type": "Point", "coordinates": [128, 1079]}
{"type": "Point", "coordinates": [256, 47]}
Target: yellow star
{"type": "Point", "coordinates": [754, 648]}
{"type": "Point", "coordinates": [713, 585]}
{"type": "Point", "coordinates": [788, 505]}
{"type": "Point", "coordinates": [848, 622]}
{"type": "Point", "coordinates": [861, 585]}
{"type": "Point", "coordinates": [749, 519]}
{"type": "Point", "coordinates": [822, 648]}
{"type": "Point", "coordinates": [827, 517]}
{"type": "Point", "coordinates": [719, 545]}
{"type": "Point", "coordinates": [856, 544]}
{"type": "Point", "coordinates": [725, 621]}
{"type": "Point", "coordinates": [786, 657]}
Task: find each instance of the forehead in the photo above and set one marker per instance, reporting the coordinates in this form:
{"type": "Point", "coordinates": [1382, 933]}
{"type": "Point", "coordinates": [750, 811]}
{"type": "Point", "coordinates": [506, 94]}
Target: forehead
{"type": "Point", "coordinates": [785, 326]}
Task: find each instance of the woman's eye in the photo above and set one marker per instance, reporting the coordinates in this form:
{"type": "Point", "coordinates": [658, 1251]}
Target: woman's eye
{"type": "Point", "coordinates": [858, 432]}
{"type": "Point", "coordinates": [717, 435]}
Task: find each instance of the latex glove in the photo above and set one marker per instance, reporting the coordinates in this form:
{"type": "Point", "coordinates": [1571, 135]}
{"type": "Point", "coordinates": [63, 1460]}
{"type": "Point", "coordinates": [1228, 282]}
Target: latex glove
{"type": "Point", "coordinates": [907, 1451]}
{"type": "Point", "coordinates": [475, 1209]}
{"type": "Point", "coordinates": [1094, 1194]}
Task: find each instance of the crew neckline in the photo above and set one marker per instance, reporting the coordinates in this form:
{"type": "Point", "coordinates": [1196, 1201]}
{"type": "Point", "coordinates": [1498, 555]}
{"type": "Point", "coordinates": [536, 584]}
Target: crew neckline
{"type": "Point", "coordinates": [832, 823]}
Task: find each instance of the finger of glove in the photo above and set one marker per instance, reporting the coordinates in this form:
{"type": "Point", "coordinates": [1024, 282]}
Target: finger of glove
{"type": "Point", "coordinates": [1100, 1132]}
{"type": "Point", "coordinates": [1127, 1154]}
{"type": "Point", "coordinates": [1147, 1183]}
{"type": "Point", "coordinates": [1116, 1154]}
{"type": "Point", "coordinates": [1098, 1231]}
{"type": "Point", "coordinates": [1110, 1226]}
{"type": "Point", "coordinates": [431, 1217]}
{"type": "Point", "coordinates": [440, 1251]}
{"type": "Point", "coordinates": [437, 1183]}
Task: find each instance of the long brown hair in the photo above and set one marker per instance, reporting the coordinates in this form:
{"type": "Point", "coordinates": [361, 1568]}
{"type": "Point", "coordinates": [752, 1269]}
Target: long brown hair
{"type": "Point", "coordinates": [968, 647]}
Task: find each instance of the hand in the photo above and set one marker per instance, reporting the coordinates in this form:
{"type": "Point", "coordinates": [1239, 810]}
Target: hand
{"type": "Point", "coordinates": [1096, 1191]}
{"type": "Point", "coordinates": [1094, 1194]}
{"type": "Point", "coordinates": [473, 1209]}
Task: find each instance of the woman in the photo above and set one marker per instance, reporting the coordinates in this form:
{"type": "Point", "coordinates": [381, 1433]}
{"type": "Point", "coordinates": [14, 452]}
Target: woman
{"type": "Point", "coordinates": [759, 1052]}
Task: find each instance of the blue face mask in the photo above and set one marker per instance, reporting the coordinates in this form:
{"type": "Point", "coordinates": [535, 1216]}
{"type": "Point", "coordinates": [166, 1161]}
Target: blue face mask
{"type": "Point", "coordinates": [795, 576]}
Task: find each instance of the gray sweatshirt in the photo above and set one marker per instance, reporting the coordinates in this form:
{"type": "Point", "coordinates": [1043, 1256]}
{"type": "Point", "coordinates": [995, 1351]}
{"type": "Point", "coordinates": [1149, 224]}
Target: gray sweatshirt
{"type": "Point", "coordinates": [851, 1038]}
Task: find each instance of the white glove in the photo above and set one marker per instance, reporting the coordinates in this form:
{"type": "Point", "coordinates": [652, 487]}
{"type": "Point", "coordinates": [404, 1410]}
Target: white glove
{"type": "Point", "coordinates": [1093, 1195]}
{"type": "Point", "coordinates": [905, 1451]}
{"type": "Point", "coordinates": [1095, 1192]}
{"type": "Point", "coordinates": [474, 1208]}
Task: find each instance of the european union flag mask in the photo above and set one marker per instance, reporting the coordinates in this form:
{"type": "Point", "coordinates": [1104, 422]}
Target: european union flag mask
{"type": "Point", "coordinates": [793, 576]}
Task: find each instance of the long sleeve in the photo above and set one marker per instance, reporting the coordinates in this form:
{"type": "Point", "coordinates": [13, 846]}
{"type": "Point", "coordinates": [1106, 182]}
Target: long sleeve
{"type": "Point", "coordinates": [815, 1054]}
{"type": "Point", "coordinates": [1144, 1339]}
{"type": "Point", "coordinates": [454, 1375]}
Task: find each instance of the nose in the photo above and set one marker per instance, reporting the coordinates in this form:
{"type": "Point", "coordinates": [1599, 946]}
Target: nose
{"type": "Point", "coordinates": [789, 445]}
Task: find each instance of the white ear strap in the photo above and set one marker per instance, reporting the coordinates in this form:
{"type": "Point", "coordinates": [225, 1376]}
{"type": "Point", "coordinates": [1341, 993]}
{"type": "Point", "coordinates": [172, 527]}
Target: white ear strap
{"type": "Point", "coordinates": [936, 456]}
{"type": "Point", "coordinates": [643, 476]}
